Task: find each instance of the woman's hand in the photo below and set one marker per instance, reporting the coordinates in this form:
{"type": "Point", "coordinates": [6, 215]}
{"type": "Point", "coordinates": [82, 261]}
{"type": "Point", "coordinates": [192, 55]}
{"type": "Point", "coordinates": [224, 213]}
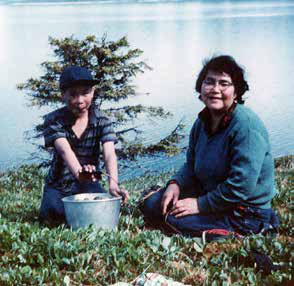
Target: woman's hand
{"type": "Point", "coordinates": [116, 191]}
{"type": "Point", "coordinates": [185, 207]}
{"type": "Point", "coordinates": [171, 195]}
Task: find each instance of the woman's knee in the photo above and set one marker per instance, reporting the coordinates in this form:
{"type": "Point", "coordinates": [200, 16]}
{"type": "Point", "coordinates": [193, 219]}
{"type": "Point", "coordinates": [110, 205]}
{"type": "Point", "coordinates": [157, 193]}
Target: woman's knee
{"type": "Point", "coordinates": [152, 205]}
{"type": "Point", "coordinates": [194, 224]}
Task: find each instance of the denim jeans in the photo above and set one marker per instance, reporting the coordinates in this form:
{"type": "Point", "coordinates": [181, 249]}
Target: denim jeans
{"type": "Point", "coordinates": [244, 221]}
{"type": "Point", "coordinates": [52, 208]}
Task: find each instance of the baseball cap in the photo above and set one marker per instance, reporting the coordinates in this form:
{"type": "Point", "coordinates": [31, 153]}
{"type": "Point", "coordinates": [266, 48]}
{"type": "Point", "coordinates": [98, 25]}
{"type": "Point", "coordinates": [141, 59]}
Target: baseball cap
{"type": "Point", "coordinates": [74, 75]}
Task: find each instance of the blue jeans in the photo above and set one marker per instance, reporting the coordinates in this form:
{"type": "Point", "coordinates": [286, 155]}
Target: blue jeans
{"type": "Point", "coordinates": [52, 208]}
{"type": "Point", "coordinates": [243, 221]}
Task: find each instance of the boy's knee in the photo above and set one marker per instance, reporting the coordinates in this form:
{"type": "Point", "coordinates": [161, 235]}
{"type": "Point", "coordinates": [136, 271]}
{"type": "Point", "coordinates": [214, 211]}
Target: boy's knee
{"type": "Point", "coordinates": [52, 213]}
{"type": "Point", "coordinates": [52, 209]}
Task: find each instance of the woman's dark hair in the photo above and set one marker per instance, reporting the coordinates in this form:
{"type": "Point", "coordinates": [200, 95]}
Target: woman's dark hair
{"type": "Point", "coordinates": [228, 65]}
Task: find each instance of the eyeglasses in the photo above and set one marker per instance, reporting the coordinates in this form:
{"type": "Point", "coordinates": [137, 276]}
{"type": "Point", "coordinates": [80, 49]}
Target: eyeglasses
{"type": "Point", "coordinates": [210, 83]}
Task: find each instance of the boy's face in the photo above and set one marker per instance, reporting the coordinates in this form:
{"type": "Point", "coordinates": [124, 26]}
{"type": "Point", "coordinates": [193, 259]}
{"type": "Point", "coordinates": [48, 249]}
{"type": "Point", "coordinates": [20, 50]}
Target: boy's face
{"type": "Point", "coordinates": [78, 98]}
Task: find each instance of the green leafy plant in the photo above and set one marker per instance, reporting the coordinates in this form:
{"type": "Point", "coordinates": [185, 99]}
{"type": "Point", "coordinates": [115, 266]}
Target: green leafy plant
{"type": "Point", "coordinates": [35, 254]}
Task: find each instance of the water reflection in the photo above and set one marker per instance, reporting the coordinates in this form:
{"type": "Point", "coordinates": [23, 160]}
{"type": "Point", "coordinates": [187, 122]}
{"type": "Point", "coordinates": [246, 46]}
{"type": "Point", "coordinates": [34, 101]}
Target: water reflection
{"type": "Point", "coordinates": [175, 38]}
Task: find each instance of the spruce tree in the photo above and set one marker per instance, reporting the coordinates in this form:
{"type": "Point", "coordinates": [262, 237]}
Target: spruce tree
{"type": "Point", "coordinates": [115, 65]}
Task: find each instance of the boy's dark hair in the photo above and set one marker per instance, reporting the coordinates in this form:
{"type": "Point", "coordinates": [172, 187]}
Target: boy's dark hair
{"type": "Point", "coordinates": [228, 65]}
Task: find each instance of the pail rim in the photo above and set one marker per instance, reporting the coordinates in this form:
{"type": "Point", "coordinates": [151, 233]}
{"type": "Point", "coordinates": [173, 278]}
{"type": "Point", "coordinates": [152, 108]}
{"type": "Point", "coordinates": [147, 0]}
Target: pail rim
{"type": "Point", "coordinates": [89, 198]}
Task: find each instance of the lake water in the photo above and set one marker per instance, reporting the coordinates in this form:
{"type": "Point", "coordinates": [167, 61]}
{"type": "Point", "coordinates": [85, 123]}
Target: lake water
{"type": "Point", "coordinates": [175, 37]}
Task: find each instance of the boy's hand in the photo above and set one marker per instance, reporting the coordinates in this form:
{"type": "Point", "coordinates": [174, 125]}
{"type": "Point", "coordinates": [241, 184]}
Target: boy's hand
{"type": "Point", "coordinates": [87, 174]}
{"type": "Point", "coordinates": [117, 192]}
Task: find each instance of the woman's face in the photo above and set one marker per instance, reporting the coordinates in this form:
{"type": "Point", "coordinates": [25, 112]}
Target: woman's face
{"type": "Point", "coordinates": [218, 91]}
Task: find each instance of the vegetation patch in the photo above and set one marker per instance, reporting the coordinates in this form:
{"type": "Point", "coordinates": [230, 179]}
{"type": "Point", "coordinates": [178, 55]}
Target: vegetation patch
{"type": "Point", "coordinates": [36, 254]}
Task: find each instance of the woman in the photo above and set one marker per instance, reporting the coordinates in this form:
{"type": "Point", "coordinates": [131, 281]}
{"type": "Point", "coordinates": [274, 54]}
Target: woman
{"type": "Point", "coordinates": [227, 181]}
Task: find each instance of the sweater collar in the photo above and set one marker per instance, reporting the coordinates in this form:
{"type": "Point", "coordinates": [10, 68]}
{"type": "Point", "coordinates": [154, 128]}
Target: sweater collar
{"type": "Point", "coordinates": [205, 116]}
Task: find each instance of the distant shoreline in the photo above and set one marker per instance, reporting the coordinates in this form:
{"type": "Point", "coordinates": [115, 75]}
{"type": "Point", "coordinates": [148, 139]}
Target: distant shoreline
{"type": "Point", "coordinates": [85, 2]}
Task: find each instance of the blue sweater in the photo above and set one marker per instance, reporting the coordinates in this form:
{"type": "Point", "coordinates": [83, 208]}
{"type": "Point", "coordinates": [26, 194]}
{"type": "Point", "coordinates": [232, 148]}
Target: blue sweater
{"type": "Point", "coordinates": [231, 167]}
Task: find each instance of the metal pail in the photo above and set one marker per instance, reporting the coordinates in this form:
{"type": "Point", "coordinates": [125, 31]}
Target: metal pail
{"type": "Point", "coordinates": [100, 210]}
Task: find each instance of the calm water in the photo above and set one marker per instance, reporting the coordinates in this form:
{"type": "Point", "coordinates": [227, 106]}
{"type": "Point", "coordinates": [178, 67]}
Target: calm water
{"type": "Point", "coordinates": [175, 37]}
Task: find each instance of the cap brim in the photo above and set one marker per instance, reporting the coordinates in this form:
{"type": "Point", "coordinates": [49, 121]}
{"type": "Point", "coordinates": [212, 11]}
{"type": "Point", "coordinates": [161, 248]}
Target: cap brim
{"type": "Point", "coordinates": [85, 82]}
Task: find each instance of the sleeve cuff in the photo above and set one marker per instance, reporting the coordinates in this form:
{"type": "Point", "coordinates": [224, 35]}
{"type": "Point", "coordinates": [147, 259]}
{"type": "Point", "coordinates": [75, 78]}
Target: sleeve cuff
{"type": "Point", "coordinates": [178, 180]}
{"type": "Point", "coordinates": [49, 142]}
{"type": "Point", "coordinates": [203, 204]}
{"type": "Point", "coordinates": [172, 181]}
{"type": "Point", "coordinates": [114, 140]}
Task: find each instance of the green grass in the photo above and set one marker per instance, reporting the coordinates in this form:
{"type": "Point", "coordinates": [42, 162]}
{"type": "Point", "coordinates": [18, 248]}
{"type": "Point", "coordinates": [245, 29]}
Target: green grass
{"type": "Point", "coordinates": [35, 254]}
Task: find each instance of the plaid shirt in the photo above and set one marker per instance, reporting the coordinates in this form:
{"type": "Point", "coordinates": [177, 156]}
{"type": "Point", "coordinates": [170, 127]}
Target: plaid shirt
{"type": "Point", "coordinates": [58, 124]}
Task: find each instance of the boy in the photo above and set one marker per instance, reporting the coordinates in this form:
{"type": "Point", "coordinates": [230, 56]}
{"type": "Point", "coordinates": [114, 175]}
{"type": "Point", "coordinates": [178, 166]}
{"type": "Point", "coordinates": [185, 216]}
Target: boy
{"type": "Point", "coordinates": [75, 132]}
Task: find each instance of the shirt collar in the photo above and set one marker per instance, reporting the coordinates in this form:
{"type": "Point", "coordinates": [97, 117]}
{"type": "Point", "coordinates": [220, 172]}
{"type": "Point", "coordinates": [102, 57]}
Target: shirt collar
{"type": "Point", "coordinates": [70, 119]}
{"type": "Point", "coordinates": [204, 115]}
